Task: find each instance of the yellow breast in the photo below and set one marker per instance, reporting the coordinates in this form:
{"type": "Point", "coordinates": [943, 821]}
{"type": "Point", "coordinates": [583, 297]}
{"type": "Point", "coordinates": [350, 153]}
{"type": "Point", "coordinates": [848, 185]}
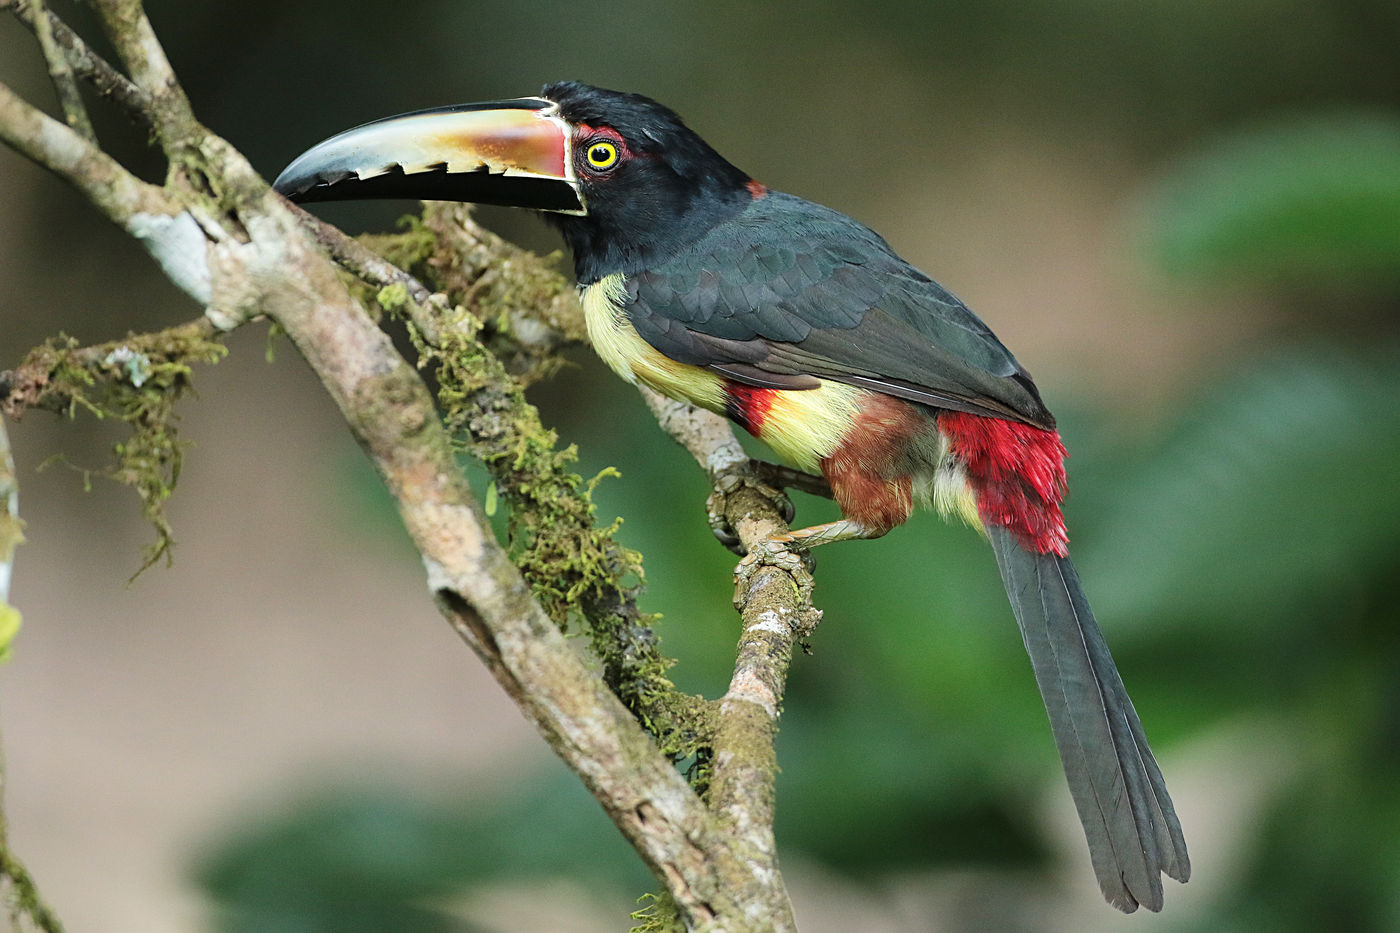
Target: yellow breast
{"type": "Point", "coordinates": [802, 426]}
{"type": "Point", "coordinates": [622, 348]}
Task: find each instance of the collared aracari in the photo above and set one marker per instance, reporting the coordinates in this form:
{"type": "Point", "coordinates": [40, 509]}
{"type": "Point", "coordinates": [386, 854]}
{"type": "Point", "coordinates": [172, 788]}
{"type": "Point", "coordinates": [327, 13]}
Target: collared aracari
{"type": "Point", "coordinates": [803, 326]}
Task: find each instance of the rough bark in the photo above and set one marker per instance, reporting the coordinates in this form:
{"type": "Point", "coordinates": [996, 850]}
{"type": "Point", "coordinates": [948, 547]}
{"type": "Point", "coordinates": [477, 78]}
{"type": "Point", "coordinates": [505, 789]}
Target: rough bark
{"type": "Point", "coordinates": [493, 318]}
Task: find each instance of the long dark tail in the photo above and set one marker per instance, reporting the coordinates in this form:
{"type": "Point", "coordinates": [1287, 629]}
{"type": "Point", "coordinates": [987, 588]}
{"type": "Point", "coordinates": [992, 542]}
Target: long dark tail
{"type": "Point", "coordinates": [1133, 832]}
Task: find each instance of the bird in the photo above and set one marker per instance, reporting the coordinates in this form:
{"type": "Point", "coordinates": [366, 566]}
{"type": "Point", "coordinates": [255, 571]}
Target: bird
{"type": "Point", "coordinates": [804, 327]}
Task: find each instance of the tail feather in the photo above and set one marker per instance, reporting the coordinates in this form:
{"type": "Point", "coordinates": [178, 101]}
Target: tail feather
{"type": "Point", "coordinates": [1131, 827]}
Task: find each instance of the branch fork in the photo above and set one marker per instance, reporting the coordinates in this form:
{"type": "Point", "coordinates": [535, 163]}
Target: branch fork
{"type": "Point", "coordinates": [241, 251]}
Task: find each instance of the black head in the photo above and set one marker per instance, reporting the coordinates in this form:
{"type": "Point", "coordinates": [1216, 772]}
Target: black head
{"type": "Point", "coordinates": [651, 185]}
{"type": "Point", "coordinates": [625, 180]}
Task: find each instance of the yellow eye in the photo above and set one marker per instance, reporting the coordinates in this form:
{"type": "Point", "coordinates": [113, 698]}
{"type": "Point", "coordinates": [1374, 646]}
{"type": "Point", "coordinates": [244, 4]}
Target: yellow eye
{"type": "Point", "coordinates": [601, 155]}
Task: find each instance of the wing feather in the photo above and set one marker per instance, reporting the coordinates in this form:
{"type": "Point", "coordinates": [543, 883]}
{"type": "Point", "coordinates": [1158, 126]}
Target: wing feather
{"type": "Point", "coordinates": [789, 288]}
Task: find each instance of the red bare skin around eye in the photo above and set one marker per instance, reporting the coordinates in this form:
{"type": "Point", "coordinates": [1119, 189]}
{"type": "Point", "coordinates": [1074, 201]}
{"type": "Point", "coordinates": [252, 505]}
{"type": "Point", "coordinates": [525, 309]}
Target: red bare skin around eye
{"type": "Point", "coordinates": [585, 134]}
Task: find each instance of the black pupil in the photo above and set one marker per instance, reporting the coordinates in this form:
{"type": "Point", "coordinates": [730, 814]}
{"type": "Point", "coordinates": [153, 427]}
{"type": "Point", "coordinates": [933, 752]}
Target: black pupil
{"type": "Point", "coordinates": [600, 153]}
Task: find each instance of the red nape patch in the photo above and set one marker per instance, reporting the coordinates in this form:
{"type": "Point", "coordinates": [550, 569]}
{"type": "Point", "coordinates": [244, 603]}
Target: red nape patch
{"type": "Point", "coordinates": [756, 188]}
{"type": "Point", "coordinates": [1017, 472]}
{"type": "Point", "coordinates": [748, 405]}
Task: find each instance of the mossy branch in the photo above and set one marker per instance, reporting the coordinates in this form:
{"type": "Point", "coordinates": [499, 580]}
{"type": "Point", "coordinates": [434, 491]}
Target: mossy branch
{"type": "Point", "coordinates": [22, 899]}
{"type": "Point", "coordinates": [505, 316]}
{"type": "Point", "coordinates": [489, 321]}
{"type": "Point", "coordinates": [136, 381]}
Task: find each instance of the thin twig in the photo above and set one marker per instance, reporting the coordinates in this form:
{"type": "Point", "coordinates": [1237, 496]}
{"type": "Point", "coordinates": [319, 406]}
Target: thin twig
{"type": "Point", "coordinates": [31, 384]}
{"type": "Point", "coordinates": [62, 74]}
{"type": "Point", "coordinates": [359, 260]}
{"type": "Point", "coordinates": [708, 437]}
{"type": "Point", "coordinates": [110, 187]}
{"type": "Point", "coordinates": [132, 35]}
{"type": "Point", "coordinates": [9, 517]}
{"type": "Point", "coordinates": [776, 614]}
{"type": "Point", "coordinates": [110, 83]}
{"type": "Point", "coordinates": [23, 899]}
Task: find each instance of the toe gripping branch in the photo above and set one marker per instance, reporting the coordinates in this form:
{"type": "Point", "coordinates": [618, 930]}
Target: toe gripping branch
{"type": "Point", "coordinates": [769, 480]}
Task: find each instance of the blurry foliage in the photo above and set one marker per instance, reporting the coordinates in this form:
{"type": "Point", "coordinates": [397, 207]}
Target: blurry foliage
{"type": "Point", "coordinates": [389, 857]}
{"type": "Point", "coordinates": [1314, 199]}
{"type": "Point", "coordinates": [1271, 503]}
{"type": "Point", "coordinates": [1272, 512]}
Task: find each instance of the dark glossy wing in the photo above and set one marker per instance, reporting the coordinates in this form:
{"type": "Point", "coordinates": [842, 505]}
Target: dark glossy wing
{"type": "Point", "coordinates": [788, 290]}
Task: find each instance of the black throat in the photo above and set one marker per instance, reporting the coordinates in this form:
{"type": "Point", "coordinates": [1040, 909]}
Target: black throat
{"type": "Point", "coordinates": [643, 229]}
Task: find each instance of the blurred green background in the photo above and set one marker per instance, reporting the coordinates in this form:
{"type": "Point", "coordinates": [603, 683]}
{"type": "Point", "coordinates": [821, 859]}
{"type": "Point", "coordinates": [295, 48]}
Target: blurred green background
{"type": "Point", "coordinates": [1183, 218]}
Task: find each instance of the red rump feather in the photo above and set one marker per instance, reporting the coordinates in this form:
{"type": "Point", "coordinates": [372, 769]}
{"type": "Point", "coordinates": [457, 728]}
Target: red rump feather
{"type": "Point", "coordinates": [748, 405]}
{"type": "Point", "coordinates": [1017, 472]}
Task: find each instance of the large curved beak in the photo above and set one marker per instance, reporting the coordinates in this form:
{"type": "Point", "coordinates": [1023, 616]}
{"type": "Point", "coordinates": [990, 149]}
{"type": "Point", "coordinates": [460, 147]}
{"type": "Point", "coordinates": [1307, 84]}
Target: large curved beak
{"type": "Point", "coordinates": [515, 153]}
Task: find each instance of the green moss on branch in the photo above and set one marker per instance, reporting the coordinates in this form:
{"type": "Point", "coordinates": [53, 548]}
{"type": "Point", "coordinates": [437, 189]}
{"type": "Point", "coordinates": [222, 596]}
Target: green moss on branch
{"type": "Point", "coordinates": [510, 313]}
{"type": "Point", "coordinates": [136, 381]}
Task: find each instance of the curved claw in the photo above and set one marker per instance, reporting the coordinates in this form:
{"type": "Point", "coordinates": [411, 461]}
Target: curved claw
{"type": "Point", "coordinates": [721, 528]}
{"type": "Point", "coordinates": [724, 533]}
{"type": "Point", "coordinates": [784, 505]}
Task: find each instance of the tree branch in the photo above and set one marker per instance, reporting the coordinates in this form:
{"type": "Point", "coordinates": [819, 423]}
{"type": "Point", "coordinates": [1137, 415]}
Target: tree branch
{"type": "Point", "coordinates": [776, 612]}
{"type": "Point", "coordinates": [165, 226]}
{"type": "Point", "coordinates": [49, 377]}
{"type": "Point", "coordinates": [120, 195]}
{"type": "Point", "coordinates": [260, 258]}
{"type": "Point", "coordinates": [241, 250]}
{"type": "Point", "coordinates": [776, 601]}
{"type": "Point", "coordinates": [132, 35]}
{"type": "Point", "coordinates": [485, 344]}
{"type": "Point", "coordinates": [110, 83]}
{"type": "Point", "coordinates": [64, 85]}
{"type": "Point", "coordinates": [482, 593]}
{"type": "Point", "coordinates": [11, 534]}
